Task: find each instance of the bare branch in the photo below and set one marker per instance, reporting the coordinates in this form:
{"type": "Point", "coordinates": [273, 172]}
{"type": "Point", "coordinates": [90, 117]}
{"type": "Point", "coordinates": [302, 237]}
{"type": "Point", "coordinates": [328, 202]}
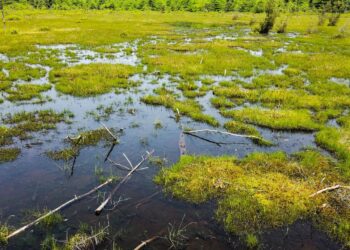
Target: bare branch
{"type": "Point", "coordinates": [114, 137]}
{"type": "Point", "coordinates": [64, 205]}
{"type": "Point", "coordinates": [220, 132]}
{"type": "Point", "coordinates": [124, 180]}
{"type": "Point", "coordinates": [329, 189]}
{"type": "Point", "coordinates": [144, 243]}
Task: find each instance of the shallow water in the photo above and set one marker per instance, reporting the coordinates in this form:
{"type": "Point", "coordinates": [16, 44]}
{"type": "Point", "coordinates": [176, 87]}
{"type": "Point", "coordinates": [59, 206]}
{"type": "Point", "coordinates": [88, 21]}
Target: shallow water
{"type": "Point", "coordinates": [35, 182]}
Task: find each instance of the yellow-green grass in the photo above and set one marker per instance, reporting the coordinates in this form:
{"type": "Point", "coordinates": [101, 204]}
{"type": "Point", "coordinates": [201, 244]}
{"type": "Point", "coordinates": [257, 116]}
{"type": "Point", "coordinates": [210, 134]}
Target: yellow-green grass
{"type": "Point", "coordinates": [318, 66]}
{"type": "Point", "coordinates": [218, 58]}
{"type": "Point", "coordinates": [221, 102]}
{"type": "Point", "coordinates": [93, 28]}
{"type": "Point", "coordinates": [262, 191]}
{"type": "Point", "coordinates": [187, 107]}
{"type": "Point", "coordinates": [92, 79]}
{"type": "Point", "coordinates": [278, 119]}
{"type": "Point", "coordinates": [287, 98]}
{"type": "Point", "coordinates": [246, 129]}
{"type": "Point", "coordinates": [9, 154]}
{"type": "Point", "coordinates": [23, 92]}
{"type": "Point", "coordinates": [20, 71]}
{"type": "Point", "coordinates": [337, 141]}
{"type": "Point", "coordinates": [22, 123]}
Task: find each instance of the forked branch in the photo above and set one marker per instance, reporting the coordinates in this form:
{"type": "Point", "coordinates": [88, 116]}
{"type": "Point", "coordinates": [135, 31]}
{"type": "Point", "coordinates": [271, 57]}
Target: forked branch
{"type": "Point", "coordinates": [123, 181]}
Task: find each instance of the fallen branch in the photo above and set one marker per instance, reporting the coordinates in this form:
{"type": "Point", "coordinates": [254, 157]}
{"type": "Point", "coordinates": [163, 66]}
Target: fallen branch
{"type": "Point", "coordinates": [220, 132]}
{"type": "Point", "coordinates": [75, 199]}
{"type": "Point", "coordinates": [329, 189]}
{"type": "Point", "coordinates": [118, 165]}
{"type": "Point", "coordinates": [214, 142]}
{"type": "Point", "coordinates": [144, 243]}
{"type": "Point", "coordinates": [124, 180]}
{"type": "Point", "coordinates": [145, 200]}
{"type": "Point", "coordinates": [107, 129]}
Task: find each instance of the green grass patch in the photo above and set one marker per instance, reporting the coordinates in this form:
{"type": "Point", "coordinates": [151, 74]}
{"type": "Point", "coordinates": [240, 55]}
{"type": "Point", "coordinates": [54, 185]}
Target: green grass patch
{"type": "Point", "coordinates": [24, 92]}
{"type": "Point", "coordinates": [187, 107]}
{"type": "Point", "coordinates": [20, 71]}
{"type": "Point", "coordinates": [278, 119]}
{"type": "Point", "coordinates": [92, 79]}
{"type": "Point", "coordinates": [337, 141]}
{"type": "Point", "coordinates": [245, 129]}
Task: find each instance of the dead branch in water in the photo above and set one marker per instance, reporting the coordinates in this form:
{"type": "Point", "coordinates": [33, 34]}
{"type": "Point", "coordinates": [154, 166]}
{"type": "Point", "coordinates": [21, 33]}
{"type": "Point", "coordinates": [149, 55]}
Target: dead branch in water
{"type": "Point", "coordinates": [217, 143]}
{"type": "Point", "coordinates": [329, 189]}
{"type": "Point", "coordinates": [124, 180]}
{"type": "Point", "coordinates": [75, 199]}
{"type": "Point", "coordinates": [220, 132]}
{"type": "Point", "coordinates": [107, 129]}
{"type": "Point", "coordinates": [147, 199]}
{"type": "Point", "coordinates": [144, 243]}
{"type": "Point", "coordinates": [118, 165]}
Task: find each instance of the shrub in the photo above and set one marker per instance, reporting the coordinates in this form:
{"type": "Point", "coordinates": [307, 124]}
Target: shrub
{"type": "Point", "coordinates": [271, 15]}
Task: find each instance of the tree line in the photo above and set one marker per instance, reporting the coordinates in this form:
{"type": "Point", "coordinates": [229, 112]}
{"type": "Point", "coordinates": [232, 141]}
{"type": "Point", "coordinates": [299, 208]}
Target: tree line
{"type": "Point", "coordinates": [180, 5]}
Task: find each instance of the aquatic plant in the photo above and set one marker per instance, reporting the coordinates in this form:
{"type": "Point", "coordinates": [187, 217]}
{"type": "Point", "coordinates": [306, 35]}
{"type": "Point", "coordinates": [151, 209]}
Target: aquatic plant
{"type": "Point", "coordinates": [9, 154]}
{"type": "Point", "coordinates": [4, 232]}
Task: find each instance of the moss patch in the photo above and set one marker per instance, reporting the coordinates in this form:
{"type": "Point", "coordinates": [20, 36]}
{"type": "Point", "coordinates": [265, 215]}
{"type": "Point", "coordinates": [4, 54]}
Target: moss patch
{"type": "Point", "coordinates": [261, 191]}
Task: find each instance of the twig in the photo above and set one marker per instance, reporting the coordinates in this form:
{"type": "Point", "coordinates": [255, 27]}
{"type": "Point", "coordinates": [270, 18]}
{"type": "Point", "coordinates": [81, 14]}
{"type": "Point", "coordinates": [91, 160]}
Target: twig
{"type": "Point", "coordinates": [329, 189]}
{"type": "Point", "coordinates": [220, 132]}
{"type": "Point", "coordinates": [128, 160]}
{"type": "Point", "coordinates": [118, 165]}
{"type": "Point", "coordinates": [76, 198]}
{"type": "Point", "coordinates": [114, 137]}
{"type": "Point", "coordinates": [144, 243]}
{"type": "Point", "coordinates": [124, 180]}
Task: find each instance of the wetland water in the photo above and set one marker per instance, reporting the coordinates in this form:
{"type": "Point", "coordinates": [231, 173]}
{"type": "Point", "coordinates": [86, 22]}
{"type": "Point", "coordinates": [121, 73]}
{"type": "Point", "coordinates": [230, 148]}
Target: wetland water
{"type": "Point", "coordinates": [34, 181]}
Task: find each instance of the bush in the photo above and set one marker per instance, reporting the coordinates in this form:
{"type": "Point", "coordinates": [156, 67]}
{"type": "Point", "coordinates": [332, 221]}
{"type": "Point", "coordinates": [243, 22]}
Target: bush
{"type": "Point", "coordinates": [333, 19]}
{"type": "Point", "coordinates": [283, 27]}
{"type": "Point", "coordinates": [271, 15]}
